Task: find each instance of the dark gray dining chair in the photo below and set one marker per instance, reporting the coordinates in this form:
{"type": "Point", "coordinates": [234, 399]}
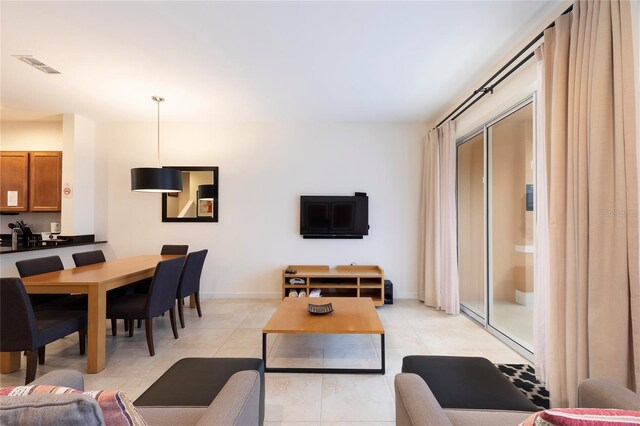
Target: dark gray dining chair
{"type": "Point", "coordinates": [97, 256]}
{"type": "Point", "coordinates": [43, 265]}
{"type": "Point", "coordinates": [160, 299]}
{"type": "Point", "coordinates": [142, 286]}
{"type": "Point", "coordinates": [22, 329]}
{"type": "Point", "coordinates": [190, 281]}
{"type": "Point", "coordinates": [174, 249]}
{"type": "Point", "coordinates": [88, 257]}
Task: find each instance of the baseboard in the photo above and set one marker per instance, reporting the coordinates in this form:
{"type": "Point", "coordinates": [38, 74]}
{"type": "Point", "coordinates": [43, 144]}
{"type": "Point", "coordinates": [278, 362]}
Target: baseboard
{"type": "Point", "coordinates": [241, 295]}
{"type": "Point", "coordinates": [413, 296]}
{"type": "Point", "coordinates": [273, 295]}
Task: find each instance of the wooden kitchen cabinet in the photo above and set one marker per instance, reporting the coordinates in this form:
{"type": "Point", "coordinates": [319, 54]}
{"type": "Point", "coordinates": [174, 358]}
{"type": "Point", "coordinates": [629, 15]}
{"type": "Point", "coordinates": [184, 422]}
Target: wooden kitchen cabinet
{"type": "Point", "coordinates": [45, 181]}
{"type": "Point", "coordinates": [14, 176]}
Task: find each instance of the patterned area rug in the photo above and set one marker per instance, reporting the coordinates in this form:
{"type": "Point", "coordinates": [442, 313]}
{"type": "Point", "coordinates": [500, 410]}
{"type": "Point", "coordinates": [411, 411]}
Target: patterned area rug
{"type": "Point", "coordinates": [523, 376]}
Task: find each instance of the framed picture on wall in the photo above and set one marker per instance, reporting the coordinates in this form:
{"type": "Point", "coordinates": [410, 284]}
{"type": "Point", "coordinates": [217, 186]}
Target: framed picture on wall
{"type": "Point", "coordinates": [205, 208]}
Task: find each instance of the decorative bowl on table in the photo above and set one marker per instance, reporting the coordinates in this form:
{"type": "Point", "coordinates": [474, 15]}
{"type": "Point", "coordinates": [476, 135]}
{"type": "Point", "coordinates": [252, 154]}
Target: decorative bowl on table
{"type": "Point", "coordinates": [320, 309]}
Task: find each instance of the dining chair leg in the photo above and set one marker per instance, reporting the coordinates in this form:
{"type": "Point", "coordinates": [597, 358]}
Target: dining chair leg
{"type": "Point", "coordinates": [32, 366]}
{"type": "Point", "coordinates": [129, 323]}
{"type": "Point", "coordinates": [126, 325]}
{"type": "Point", "coordinates": [114, 327]}
{"type": "Point", "coordinates": [82, 336]}
{"type": "Point", "coordinates": [197, 297]}
{"type": "Point", "coordinates": [41, 355]}
{"type": "Point", "coordinates": [174, 326]}
{"type": "Point", "coordinates": [148, 326]}
{"type": "Point", "coordinates": [139, 323]}
{"type": "Point", "coordinates": [181, 313]}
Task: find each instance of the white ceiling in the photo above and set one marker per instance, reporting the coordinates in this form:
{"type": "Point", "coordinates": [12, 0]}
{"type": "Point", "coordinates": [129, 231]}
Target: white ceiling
{"type": "Point", "coordinates": [254, 61]}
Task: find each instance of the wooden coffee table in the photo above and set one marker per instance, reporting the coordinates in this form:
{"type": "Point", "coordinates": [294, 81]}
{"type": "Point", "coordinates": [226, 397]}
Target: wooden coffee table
{"type": "Point", "coordinates": [351, 315]}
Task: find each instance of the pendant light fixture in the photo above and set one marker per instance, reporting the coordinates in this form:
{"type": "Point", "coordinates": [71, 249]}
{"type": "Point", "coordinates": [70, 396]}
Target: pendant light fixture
{"type": "Point", "coordinates": [156, 179]}
{"type": "Point", "coordinates": [207, 192]}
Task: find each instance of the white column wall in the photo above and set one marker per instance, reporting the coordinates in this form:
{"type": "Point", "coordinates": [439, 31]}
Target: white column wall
{"type": "Point", "coordinates": [78, 170]}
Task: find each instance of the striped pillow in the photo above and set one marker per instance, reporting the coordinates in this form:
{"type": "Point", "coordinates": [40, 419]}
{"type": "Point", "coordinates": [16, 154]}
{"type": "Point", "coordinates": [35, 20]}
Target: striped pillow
{"type": "Point", "coordinates": [117, 408]}
{"type": "Point", "coordinates": [583, 417]}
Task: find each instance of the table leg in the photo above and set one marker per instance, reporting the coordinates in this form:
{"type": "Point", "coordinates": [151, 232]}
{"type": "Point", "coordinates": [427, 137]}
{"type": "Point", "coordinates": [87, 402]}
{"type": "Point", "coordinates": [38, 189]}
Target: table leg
{"type": "Point", "coordinates": [382, 353]}
{"type": "Point", "coordinates": [264, 349]}
{"type": "Point", "coordinates": [96, 335]}
{"type": "Point", "coordinates": [192, 301]}
{"type": "Point", "coordinates": [9, 362]}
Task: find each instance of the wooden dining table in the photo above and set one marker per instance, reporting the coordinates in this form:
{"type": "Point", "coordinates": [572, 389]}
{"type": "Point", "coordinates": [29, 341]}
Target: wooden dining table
{"type": "Point", "coordinates": [94, 281]}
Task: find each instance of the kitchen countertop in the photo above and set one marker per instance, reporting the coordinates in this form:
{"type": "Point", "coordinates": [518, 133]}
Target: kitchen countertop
{"type": "Point", "coordinates": [8, 249]}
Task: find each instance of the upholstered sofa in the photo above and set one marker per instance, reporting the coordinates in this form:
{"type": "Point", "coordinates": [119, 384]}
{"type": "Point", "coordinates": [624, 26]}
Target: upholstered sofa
{"type": "Point", "coordinates": [416, 404]}
{"type": "Point", "coordinates": [238, 403]}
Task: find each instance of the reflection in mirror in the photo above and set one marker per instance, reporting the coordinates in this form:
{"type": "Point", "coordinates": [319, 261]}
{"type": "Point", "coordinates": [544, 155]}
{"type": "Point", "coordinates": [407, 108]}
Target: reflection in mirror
{"type": "Point", "coordinates": [198, 201]}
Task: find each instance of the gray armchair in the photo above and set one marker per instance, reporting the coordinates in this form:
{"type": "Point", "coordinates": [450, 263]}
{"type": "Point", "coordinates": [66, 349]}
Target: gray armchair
{"type": "Point", "coordinates": [236, 404]}
{"type": "Point", "coordinates": [416, 405]}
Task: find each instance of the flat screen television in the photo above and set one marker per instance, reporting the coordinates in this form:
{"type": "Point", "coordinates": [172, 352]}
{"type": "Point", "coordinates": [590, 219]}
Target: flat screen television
{"type": "Point", "coordinates": [334, 216]}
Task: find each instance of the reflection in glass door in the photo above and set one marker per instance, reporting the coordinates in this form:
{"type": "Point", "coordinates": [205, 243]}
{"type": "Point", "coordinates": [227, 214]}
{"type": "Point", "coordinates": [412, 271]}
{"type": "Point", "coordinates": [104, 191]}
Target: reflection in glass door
{"type": "Point", "coordinates": [495, 226]}
{"type": "Point", "coordinates": [471, 230]}
{"type": "Point", "coordinates": [511, 225]}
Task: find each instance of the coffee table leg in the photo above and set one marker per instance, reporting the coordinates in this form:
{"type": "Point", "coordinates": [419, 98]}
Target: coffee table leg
{"type": "Point", "coordinates": [264, 350]}
{"type": "Point", "coordinates": [382, 352]}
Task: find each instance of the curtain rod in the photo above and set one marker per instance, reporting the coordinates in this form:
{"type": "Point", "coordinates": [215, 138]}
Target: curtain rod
{"type": "Point", "coordinates": [486, 88]}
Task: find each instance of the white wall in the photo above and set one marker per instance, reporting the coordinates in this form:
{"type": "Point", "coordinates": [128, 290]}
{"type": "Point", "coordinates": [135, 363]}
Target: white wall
{"type": "Point", "coordinates": [31, 136]}
{"type": "Point", "coordinates": [264, 168]}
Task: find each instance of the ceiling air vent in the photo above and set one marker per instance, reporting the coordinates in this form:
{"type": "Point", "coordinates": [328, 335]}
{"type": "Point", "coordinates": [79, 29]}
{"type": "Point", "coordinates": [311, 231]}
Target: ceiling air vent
{"type": "Point", "coordinates": [30, 60]}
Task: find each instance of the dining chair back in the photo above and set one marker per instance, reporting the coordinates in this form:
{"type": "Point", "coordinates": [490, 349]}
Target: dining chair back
{"type": "Point", "coordinates": [22, 329]}
{"type": "Point", "coordinates": [190, 281]}
{"type": "Point", "coordinates": [88, 257]}
{"type": "Point", "coordinates": [160, 299]}
{"type": "Point", "coordinates": [174, 249]}
{"type": "Point", "coordinates": [41, 265]}
{"type": "Point", "coordinates": [18, 326]}
{"type": "Point", "coordinates": [162, 292]}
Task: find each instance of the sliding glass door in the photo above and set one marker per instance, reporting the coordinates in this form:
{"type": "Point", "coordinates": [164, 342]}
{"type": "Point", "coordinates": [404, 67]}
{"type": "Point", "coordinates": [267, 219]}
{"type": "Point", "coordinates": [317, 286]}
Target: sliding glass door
{"type": "Point", "coordinates": [495, 225]}
{"type": "Point", "coordinates": [471, 225]}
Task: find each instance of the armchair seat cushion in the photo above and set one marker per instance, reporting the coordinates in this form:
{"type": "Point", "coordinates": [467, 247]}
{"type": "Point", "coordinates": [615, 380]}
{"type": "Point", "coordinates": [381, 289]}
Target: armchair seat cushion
{"type": "Point", "coordinates": [199, 380]}
{"type": "Point", "coordinates": [467, 383]}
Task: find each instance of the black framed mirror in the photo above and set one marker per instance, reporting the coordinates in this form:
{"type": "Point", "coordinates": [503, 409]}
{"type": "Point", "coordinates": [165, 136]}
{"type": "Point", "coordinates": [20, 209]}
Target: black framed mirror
{"type": "Point", "coordinates": [198, 201]}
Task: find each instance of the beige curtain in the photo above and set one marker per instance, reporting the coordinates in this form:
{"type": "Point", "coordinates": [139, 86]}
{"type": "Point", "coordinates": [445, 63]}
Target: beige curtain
{"type": "Point", "coordinates": [438, 275]}
{"type": "Point", "coordinates": [589, 113]}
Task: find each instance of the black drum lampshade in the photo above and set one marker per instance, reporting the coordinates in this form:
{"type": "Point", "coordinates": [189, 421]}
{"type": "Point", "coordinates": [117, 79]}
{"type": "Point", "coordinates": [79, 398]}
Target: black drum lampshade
{"type": "Point", "coordinates": [207, 192]}
{"type": "Point", "coordinates": [155, 179]}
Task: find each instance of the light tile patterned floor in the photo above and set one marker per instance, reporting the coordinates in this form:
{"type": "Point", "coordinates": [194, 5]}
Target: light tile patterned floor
{"type": "Point", "coordinates": [232, 328]}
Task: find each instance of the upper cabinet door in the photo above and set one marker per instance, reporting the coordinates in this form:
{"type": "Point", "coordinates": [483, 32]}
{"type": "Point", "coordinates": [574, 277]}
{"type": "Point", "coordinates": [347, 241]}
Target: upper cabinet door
{"type": "Point", "coordinates": [14, 174]}
{"type": "Point", "coordinates": [45, 183]}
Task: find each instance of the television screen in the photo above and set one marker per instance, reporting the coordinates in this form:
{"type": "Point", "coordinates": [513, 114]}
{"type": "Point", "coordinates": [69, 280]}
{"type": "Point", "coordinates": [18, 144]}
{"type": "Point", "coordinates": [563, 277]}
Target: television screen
{"type": "Point", "coordinates": [334, 216]}
{"type": "Point", "coordinates": [342, 216]}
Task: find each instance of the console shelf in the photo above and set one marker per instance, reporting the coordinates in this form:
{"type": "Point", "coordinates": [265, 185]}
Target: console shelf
{"type": "Point", "coordinates": [342, 281]}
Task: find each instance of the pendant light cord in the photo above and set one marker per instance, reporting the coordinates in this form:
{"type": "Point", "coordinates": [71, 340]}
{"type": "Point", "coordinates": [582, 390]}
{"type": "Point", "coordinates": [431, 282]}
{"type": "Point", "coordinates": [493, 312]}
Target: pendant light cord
{"type": "Point", "coordinates": [158, 99]}
{"type": "Point", "coordinates": [159, 134]}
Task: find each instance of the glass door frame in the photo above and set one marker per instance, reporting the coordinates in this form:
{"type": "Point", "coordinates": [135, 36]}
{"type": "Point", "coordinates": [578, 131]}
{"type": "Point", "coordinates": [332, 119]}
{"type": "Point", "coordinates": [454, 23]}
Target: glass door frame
{"type": "Point", "coordinates": [488, 225]}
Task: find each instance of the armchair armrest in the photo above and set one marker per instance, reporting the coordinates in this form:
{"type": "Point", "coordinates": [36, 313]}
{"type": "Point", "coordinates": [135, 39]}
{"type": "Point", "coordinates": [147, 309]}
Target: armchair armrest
{"type": "Point", "coordinates": [67, 378]}
{"type": "Point", "coordinates": [604, 393]}
{"type": "Point", "coordinates": [415, 403]}
{"type": "Point", "coordinates": [238, 403]}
